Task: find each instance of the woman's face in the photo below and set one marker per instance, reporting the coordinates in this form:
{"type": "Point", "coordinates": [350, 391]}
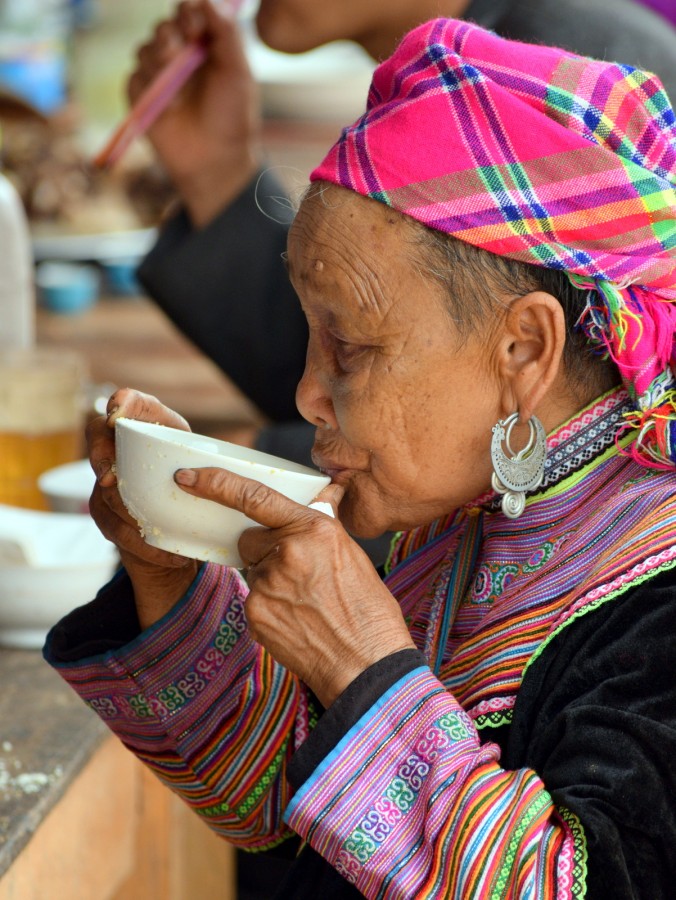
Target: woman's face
{"type": "Point", "coordinates": [403, 406]}
{"type": "Point", "coordinates": [298, 25]}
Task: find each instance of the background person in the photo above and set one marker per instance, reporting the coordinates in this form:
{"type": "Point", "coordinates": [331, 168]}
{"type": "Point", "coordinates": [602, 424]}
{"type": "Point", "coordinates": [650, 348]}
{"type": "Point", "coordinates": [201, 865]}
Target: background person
{"type": "Point", "coordinates": [496, 717]}
{"type": "Point", "coordinates": [216, 269]}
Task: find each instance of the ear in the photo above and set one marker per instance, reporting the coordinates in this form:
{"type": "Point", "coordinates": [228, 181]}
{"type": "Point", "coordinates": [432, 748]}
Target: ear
{"type": "Point", "coordinates": [530, 352]}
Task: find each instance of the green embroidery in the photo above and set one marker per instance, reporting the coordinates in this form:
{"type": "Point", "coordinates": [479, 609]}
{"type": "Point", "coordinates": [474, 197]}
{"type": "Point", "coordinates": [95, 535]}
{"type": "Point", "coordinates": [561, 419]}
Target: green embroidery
{"type": "Point", "coordinates": [262, 784]}
{"type": "Point", "coordinates": [171, 697]}
{"type": "Point", "coordinates": [579, 876]}
{"type": "Point", "coordinates": [507, 868]}
{"type": "Point", "coordinates": [494, 719]}
{"type": "Point", "coordinates": [140, 706]}
{"type": "Point", "coordinates": [313, 713]}
{"type": "Point", "coordinates": [360, 845]}
{"type": "Point", "coordinates": [210, 812]}
{"type": "Point", "coordinates": [396, 537]}
{"type": "Point", "coordinates": [275, 842]}
{"type": "Point", "coordinates": [454, 726]}
{"type": "Point", "coordinates": [226, 638]}
{"type": "Point", "coordinates": [594, 604]}
{"type": "Point", "coordinates": [646, 475]}
{"type": "Point", "coordinates": [400, 794]}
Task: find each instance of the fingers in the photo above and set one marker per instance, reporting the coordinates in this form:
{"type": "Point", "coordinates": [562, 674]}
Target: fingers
{"type": "Point", "coordinates": [101, 450]}
{"type": "Point", "coordinates": [226, 47]}
{"type": "Point", "coordinates": [130, 404]}
{"type": "Point", "coordinates": [100, 433]}
{"type": "Point", "coordinates": [151, 57]}
{"type": "Point", "coordinates": [328, 500]}
{"type": "Point", "coordinates": [257, 501]}
{"type": "Point", "coordinates": [169, 38]}
{"type": "Point", "coordinates": [257, 547]}
{"type": "Point", "coordinates": [113, 520]}
{"type": "Point", "coordinates": [115, 523]}
{"type": "Point", "coordinates": [195, 21]}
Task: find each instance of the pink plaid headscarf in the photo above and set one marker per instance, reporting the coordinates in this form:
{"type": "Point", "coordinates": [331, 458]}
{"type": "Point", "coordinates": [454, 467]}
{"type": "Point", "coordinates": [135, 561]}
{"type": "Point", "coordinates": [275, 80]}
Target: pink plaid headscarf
{"type": "Point", "coordinates": [546, 157]}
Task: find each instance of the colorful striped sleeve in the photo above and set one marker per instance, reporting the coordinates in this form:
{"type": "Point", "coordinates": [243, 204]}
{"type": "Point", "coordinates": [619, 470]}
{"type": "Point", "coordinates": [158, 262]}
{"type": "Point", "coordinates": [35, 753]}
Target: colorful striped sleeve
{"type": "Point", "coordinates": [205, 708]}
{"type": "Point", "coordinates": [410, 804]}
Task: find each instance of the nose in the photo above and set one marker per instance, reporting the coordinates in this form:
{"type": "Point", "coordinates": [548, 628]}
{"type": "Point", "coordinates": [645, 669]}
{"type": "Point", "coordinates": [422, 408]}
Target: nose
{"type": "Point", "coordinates": [313, 394]}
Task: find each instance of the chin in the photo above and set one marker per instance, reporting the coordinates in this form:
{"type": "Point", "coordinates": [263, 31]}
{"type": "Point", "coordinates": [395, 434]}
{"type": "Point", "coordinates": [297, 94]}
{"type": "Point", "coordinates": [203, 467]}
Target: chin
{"type": "Point", "coordinates": [361, 521]}
{"type": "Point", "coordinates": [357, 524]}
{"type": "Point", "coordinates": [281, 38]}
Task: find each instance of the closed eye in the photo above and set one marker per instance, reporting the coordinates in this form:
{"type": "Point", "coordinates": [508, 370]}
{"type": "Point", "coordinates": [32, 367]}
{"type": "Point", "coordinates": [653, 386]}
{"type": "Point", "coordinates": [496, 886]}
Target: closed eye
{"type": "Point", "coordinates": [347, 353]}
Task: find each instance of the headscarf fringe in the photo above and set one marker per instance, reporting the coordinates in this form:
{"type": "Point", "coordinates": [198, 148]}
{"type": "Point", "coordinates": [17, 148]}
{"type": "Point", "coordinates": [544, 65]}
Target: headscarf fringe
{"type": "Point", "coordinates": [655, 442]}
{"type": "Point", "coordinates": [637, 330]}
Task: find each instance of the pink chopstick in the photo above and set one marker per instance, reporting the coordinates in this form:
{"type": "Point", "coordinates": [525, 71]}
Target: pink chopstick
{"type": "Point", "coordinates": [154, 100]}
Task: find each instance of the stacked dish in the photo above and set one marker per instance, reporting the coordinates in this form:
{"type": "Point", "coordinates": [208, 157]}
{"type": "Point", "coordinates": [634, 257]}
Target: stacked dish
{"type": "Point", "coordinates": [49, 564]}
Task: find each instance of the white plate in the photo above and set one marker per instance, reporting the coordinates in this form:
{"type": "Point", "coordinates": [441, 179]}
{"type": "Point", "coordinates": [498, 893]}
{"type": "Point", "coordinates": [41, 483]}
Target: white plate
{"type": "Point", "coordinates": [68, 487]}
{"type": "Point", "coordinates": [329, 83]}
{"type": "Point", "coordinates": [67, 561]}
{"type": "Point", "coordinates": [101, 247]}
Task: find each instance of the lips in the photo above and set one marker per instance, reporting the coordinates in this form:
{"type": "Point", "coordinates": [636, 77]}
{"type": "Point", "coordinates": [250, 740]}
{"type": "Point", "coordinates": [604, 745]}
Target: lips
{"type": "Point", "coordinates": [330, 469]}
{"type": "Point", "coordinates": [327, 466]}
{"type": "Point", "coordinates": [322, 454]}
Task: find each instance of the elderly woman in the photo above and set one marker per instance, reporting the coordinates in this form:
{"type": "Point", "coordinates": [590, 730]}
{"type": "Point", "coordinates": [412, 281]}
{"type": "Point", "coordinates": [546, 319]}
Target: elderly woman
{"type": "Point", "coordinates": [484, 259]}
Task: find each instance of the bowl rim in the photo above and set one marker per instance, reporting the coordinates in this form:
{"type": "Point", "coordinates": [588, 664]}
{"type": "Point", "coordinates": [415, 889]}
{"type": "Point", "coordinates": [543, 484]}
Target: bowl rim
{"type": "Point", "coordinates": [176, 437]}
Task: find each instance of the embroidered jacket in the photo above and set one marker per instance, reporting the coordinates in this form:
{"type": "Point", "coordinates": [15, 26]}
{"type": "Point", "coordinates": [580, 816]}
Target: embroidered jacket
{"type": "Point", "coordinates": [490, 763]}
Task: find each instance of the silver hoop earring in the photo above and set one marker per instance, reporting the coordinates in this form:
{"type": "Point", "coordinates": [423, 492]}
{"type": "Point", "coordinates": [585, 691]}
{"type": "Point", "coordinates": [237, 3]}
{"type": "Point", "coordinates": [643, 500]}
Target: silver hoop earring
{"type": "Point", "coordinates": [517, 473]}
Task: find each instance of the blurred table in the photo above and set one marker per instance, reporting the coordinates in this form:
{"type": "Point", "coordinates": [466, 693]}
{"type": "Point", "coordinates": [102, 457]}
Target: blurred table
{"type": "Point", "coordinates": [131, 343]}
{"type": "Point", "coordinates": [80, 817]}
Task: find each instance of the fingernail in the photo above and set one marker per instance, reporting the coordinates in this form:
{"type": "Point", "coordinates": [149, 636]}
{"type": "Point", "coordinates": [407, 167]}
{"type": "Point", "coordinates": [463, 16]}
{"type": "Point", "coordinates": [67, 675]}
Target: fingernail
{"type": "Point", "coordinates": [336, 492]}
{"type": "Point", "coordinates": [185, 476]}
{"type": "Point", "coordinates": [103, 468]}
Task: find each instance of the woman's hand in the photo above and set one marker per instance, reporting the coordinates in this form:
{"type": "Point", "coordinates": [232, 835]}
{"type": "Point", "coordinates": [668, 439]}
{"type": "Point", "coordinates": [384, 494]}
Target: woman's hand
{"type": "Point", "coordinates": [159, 578]}
{"type": "Point", "coordinates": [208, 137]}
{"type": "Point", "coordinates": [316, 602]}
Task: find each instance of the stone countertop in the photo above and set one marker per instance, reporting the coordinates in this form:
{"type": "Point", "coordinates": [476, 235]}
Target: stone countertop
{"type": "Point", "coordinates": [47, 735]}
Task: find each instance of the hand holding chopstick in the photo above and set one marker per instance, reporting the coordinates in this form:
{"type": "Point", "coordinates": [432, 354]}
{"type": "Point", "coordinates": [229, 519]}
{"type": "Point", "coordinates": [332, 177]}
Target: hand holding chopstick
{"type": "Point", "coordinates": [155, 99]}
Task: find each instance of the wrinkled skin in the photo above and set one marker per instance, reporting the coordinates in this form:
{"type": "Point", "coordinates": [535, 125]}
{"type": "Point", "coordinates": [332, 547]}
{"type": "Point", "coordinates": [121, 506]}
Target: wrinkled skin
{"type": "Point", "coordinates": [403, 409]}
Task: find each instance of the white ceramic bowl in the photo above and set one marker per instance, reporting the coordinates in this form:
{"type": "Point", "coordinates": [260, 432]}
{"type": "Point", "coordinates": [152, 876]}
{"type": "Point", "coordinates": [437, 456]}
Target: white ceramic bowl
{"type": "Point", "coordinates": [68, 488]}
{"type": "Point", "coordinates": [330, 83]}
{"type": "Point", "coordinates": [147, 457]}
{"type": "Point", "coordinates": [66, 561]}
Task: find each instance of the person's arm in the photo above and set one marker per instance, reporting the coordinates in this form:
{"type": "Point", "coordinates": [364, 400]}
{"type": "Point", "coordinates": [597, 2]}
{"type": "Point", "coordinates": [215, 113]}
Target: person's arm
{"type": "Point", "coordinates": [216, 269]}
{"type": "Point", "coordinates": [393, 786]}
{"type": "Point", "coordinates": [401, 797]}
{"type": "Point", "coordinates": [194, 697]}
{"type": "Point", "coordinates": [225, 287]}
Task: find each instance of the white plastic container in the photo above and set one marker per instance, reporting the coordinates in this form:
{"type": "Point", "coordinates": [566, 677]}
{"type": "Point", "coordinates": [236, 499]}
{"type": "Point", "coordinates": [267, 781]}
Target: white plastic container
{"type": "Point", "coordinates": [17, 290]}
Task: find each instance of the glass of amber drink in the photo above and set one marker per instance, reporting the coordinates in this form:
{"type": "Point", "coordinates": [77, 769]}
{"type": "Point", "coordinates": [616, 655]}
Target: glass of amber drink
{"type": "Point", "coordinates": [42, 412]}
